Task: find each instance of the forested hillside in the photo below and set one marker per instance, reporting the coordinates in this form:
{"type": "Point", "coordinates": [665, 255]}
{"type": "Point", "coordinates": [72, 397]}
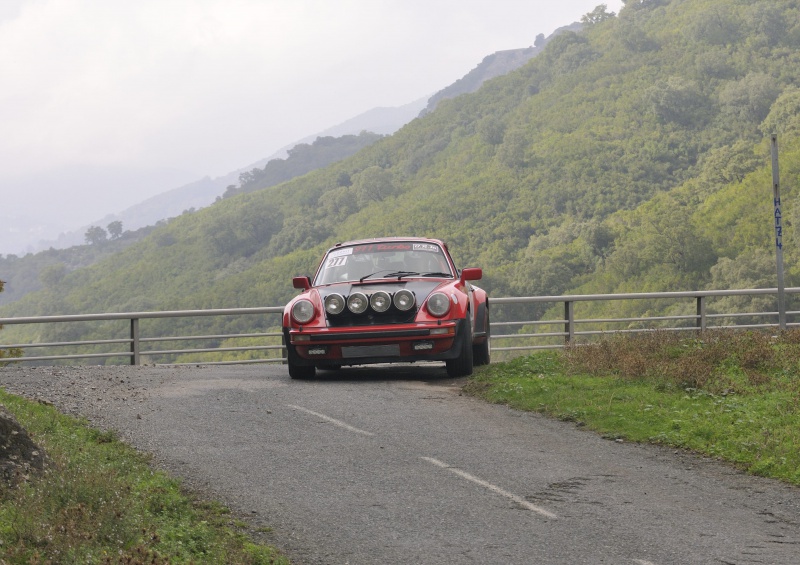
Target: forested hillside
{"type": "Point", "coordinates": [301, 159]}
{"type": "Point", "coordinates": [632, 156]}
{"type": "Point", "coordinates": [35, 271]}
{"type": "Point", "coordinates": [48, 268]}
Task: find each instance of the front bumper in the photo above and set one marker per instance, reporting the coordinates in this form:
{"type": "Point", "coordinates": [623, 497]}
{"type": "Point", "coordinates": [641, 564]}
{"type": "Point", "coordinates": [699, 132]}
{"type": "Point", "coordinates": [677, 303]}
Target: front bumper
{"type": "Point", "coordinates": [378, 344]}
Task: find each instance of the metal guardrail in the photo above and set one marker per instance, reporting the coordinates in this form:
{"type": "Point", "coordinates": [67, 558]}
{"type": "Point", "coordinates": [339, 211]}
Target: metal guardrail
{"type": "Point", "coordinates": [699, 321]}
{"type": "Point", "coordinates": [135, 341]}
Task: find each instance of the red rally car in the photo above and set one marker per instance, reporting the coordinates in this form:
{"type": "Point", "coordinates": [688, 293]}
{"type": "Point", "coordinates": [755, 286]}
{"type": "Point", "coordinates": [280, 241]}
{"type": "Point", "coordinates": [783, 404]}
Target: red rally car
{"type": "Point", "coordinates": [389, 300]}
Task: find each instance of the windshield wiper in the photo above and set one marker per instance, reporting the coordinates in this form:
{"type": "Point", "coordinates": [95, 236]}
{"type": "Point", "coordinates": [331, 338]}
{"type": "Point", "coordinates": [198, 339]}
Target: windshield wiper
{"type": "Point", "coordinates": [437, 274]}
{"type": "Point", "coordinates": [362, 279]}
{"type": "Point", "coordinates": [398, 274]}
{"type": "Point", "coordinates": [365, 277]}
{"type": "Point", "coordinates": [401, 274]}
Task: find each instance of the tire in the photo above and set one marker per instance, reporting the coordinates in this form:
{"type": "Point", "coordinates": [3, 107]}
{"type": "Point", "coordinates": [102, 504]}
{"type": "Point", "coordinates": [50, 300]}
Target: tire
{"type": "Point", "coordinates": [481, 352]}
{"type": "Point", "coordinates": [461, 366]}
{"type": "Point", "coordinates": [296, 370]}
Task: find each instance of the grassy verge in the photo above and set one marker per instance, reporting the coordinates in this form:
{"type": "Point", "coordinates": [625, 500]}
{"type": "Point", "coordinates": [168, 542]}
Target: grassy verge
{"type": "Point", "coordinates": [100, 502]}
{"type": "Point", "coordinates": [734, 396]}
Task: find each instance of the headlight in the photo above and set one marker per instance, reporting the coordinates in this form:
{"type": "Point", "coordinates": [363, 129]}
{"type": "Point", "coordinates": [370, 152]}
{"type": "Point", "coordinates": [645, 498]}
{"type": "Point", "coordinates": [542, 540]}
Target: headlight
{"type": "Point", "coordinates": [334, 304]}
{"type": "Point", "coordinates": [438, 304]}
{"type": "Point", "coordinates": [380, 301]}
{"type": "Point", "coordinates": [303, 311]}
{"type": "Point", "coordinates": [357, 302]}
{"type": "Point", "coordinates": [404, 300]}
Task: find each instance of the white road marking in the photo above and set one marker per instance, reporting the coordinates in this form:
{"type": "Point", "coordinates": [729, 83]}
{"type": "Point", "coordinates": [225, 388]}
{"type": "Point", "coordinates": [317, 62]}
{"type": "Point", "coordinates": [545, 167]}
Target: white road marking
{"type": "Point", "coordinates": [333, 421]}
{"type": "Point", "coordinates": [643, 562]}
{"type": "Point", "coordinates": [495, 489]}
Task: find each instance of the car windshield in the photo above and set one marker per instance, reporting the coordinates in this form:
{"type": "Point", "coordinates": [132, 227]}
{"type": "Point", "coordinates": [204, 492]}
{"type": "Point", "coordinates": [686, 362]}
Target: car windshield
{"type": "Point", "coordinates": [396, 259]}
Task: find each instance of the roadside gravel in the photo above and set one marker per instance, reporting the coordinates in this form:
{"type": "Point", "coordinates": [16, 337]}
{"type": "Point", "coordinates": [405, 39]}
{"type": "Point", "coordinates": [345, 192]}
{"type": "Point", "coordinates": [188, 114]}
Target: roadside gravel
{"type": "Point", "coordinates": [108, 397]}
{"type": "Point", "coordinates": [89, 392]}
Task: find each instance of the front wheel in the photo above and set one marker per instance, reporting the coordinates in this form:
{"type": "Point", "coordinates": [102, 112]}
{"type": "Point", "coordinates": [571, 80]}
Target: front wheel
{"type": "Point", "coordinates": [296, 370]}
{"type": "Point", "coordinates": [461, 366]}
{"type": "Point", "coordinates": [481, 352]}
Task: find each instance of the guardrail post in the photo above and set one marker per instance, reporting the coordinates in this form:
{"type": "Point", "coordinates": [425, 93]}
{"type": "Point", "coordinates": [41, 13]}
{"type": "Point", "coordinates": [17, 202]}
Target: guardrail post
{"type": "Point", "coordinates": [135, 355]}
{"type": "Point", "coordinates": [569, 317]}
{"type": "Point", "coordinates": [700, 323]}
{"type": "Point", "coordinates": [284, 352]}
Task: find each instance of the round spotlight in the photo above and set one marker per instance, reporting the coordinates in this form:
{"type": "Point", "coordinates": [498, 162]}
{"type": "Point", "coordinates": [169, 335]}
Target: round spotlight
{"type": "Point", "coordinates": [334, 304]}
{"type": "Point", "coordinates": [380, 301]}
{"type": "Point", "coordinates": [357, 303]}
{"type": "Point", "coordinates": [404, 300]}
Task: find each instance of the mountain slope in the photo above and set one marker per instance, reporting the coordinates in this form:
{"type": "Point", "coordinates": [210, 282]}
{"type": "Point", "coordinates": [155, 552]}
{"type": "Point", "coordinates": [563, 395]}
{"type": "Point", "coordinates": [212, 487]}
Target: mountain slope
{"type": "Point", "coordinates": [627, 157]}
{"type": "Point", "coordinates": [494, 65]}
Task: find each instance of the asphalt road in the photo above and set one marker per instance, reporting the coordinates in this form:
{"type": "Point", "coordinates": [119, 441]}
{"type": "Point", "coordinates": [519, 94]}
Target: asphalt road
{"type": "Point", "coordinates": [392, 465]}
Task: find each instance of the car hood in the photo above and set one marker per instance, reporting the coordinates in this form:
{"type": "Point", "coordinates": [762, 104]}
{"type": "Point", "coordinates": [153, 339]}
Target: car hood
{"type": "Point", "coordinates": [420, 288]}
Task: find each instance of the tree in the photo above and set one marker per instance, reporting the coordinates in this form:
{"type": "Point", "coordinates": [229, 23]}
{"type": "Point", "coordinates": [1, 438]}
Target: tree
{"type": "Point", "coordinates": [115, 229]}
{"type": "Point", "coordinates": [344, 179]}
{"type": "Point", "coordinates": [491, 130]}
{"type": "Point", "coordinates": [250, 176]}
{"type": "Point", "coordinates": [599, 14]}
{"type": "Point", "coordinates": [769, 22]}
{"type": "Point", "coordinates": [754, 268]}
{"type": "Point", "coordinates": [750, 98]}
{"type": "Point", "coordinates": [241, 229]}
{"type": "Point", "coordinates": [634, 38]}
{"type": "Point", "coordinates": [715, 63]}
{"type": "Point", "coordinates": [678, 100]}
{"type": "Point", "coordinates": [511, 152]}
{"type": "Point", "coordinates": [716, 26]}
{"type": "Point", "coordinates": [539, 41]}
{"type": "Point", "coordinates": [373, 184]}
{"type": "Point", "coordinates": [95, 235]}
{"type": "Point", "coordinates": [784, 115]}
{"type": "Point", "coordinates": [14, 352]}
{"type": "Point", "coordinates": [730, 163]}
{"type": "Point", "coordinates": [659, 247]}
{"type": "Point", "coordinates": [634, 4]}
{"type": "Point", "coordinates": [52, 275]}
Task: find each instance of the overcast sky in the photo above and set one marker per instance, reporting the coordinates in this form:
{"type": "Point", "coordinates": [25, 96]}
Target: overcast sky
{"type": "Point", "coordinates": [165, 92]}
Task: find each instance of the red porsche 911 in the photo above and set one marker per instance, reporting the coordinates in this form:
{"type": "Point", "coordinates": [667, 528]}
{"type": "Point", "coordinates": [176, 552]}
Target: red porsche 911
{"type": "Point", "coordinates": [388, 300]}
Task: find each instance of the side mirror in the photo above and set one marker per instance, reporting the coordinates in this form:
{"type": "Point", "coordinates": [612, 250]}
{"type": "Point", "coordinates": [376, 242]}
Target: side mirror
{"type": "Point", "coordinates": [301, 282]}
{"type": "Point", "coordinates": [473, 274]}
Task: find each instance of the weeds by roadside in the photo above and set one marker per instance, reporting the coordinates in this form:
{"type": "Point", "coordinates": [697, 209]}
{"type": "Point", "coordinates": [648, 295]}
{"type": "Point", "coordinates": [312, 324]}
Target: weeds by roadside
{"type": "Point", "coordinates": [719, 362]}
{"type": "Point", "coordinates": [9, 354]}
{"type": "Point", "coordinates": [734, 395]}
{"type": "Point", "coordinates": [100, 502]}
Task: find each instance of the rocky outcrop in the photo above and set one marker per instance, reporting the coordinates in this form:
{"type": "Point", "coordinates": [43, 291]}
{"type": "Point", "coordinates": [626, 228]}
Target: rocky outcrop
{"type": "Point", "coordinates": [19, 456]}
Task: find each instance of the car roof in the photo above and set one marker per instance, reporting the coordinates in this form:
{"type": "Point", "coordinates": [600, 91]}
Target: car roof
{"type": "Point", "coordinates": [385, 239]}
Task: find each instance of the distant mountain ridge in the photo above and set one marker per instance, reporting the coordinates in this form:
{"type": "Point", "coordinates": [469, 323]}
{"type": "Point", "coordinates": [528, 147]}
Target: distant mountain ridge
{"type": "Point", "coordinates": [203, 192]}
{"type": "Point", "coordinates": [380, 120]}
{"type": "Point", "coordinates": [303, 158]}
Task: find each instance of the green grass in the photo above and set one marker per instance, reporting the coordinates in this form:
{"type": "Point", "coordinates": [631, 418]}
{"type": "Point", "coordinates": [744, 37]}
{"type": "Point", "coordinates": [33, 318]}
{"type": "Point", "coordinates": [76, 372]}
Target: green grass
{"type": "Point", "coordinates": [733, 396]}
{"type": "Point", "coordinates": [100, 501]}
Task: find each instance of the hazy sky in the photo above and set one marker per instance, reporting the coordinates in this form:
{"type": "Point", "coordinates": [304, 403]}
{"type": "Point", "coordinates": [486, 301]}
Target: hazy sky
{"type": "Point", "coordinates": [123, 99]}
